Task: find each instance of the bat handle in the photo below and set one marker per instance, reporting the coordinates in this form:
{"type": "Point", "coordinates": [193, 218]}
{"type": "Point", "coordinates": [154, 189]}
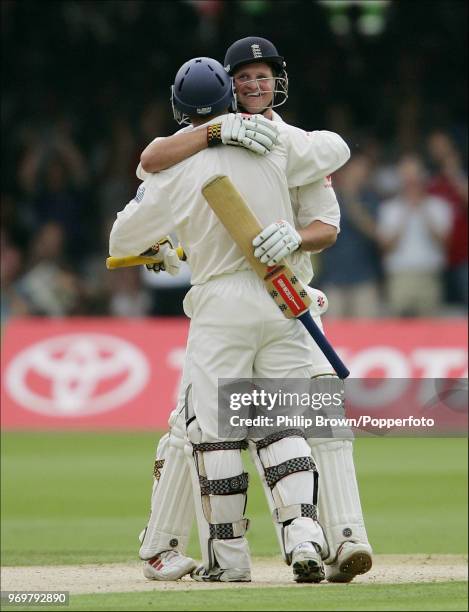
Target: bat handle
{"type": "Point", "coordinates": [324, 344]}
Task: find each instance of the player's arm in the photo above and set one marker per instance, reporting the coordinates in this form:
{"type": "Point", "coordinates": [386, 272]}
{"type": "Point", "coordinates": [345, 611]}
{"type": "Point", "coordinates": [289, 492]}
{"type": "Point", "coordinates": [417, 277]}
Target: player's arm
{"type": "Point", "coordinates": [318, 214]}
{"type": "Point", "coordinates": [312, 156]}
{"type": "Point", "coordinates": [164, 153]}
{"type": "Point", "coordinates": [318, 222]}
{"type": "Point", "coordinates": [317, 236]}
{"type": "Point", "coordinates": [280, 239]}
{"type": "Point", "coordinates": [255, 133]}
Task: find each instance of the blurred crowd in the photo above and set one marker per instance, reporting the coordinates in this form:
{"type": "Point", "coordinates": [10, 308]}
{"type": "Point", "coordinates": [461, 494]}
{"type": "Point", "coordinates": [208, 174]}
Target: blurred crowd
{"type": "Point", "coordinates": [402, 250]}
{"type": "Point", "coordinates": [81, 103]}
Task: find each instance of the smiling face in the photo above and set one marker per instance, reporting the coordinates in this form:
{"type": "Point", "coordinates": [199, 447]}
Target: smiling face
{"type": "Point", "coordinates": [255, 86]}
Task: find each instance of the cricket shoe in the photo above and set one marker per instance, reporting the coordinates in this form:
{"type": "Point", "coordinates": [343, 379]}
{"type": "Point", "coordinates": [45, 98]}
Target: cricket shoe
{"type": "Point", "coordinates": [221, 575]}
{"type": "Point", "coordinates": [307, 563]}
{"type": "Point", "coordinates": [168, 565]}
{"type": "Point", "coordinates": [353, 559]}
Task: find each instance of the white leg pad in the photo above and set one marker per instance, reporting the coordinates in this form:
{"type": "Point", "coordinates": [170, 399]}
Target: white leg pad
{"type": "Point", "coordinates": [229, 553]}
{"type": "Point", "coordinates": [218, 514]}
{"type": "Point", "coordinates": [268, 495]}
{"type": "Point", "coordinates": [339, 508]}
{"type": "Point", "coordinates": [172, 507]}
{"type": "Point", "coordinates": [291, 492]}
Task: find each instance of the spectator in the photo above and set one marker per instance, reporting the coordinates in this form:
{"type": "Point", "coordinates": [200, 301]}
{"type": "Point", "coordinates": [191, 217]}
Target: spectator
{"type": "Point", "coordinates": [115, 162]}
{"type": "Point", "coordinates": [449, 181]}
{"type": "Point", "coordinates": [414, 228]}
{"type": "Point", "coordinates": [351, 270]}
{"type": "Point", "coordinates": [50, 288]}
{"type": "Point", "coordinates": [53, 174]}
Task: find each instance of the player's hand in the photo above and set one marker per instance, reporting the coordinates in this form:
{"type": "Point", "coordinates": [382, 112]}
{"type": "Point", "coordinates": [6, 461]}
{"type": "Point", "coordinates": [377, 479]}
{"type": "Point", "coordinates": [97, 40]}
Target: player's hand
{"type": "Point", "coordinates": [261, 130]}
{"type": "Point", "coordinates": [166, 257]}
{"type": "Point", "coordinates": [253, 132]}
{"type": "Point", "coordinates": [275, 242]}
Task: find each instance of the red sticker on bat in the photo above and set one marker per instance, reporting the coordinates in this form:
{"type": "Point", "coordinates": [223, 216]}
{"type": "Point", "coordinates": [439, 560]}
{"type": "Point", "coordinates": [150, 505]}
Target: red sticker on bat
{"type": "Point", "coordinates": [289, 294]}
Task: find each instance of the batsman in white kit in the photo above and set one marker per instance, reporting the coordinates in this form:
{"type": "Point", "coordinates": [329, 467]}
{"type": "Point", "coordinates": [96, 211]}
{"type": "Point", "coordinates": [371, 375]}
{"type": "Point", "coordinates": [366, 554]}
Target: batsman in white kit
{"type": "Point", "coordinates": [315, 208]}
{"type": "Point", "coordinates": [222, 538]}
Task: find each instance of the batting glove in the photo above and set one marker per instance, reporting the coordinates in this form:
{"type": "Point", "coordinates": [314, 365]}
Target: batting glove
{"type": "Point", "coordinates": [261, 131]}
{"type": "Point", "coordinates": [166, 257]}
{"type": "Point", "coordinates": [275, 242]}
{"type": "Point", "coordinates": [253, 132]}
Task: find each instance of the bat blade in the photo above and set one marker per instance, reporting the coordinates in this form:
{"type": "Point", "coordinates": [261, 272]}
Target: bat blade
{"type": "Point", "coordinates": [243, 226]}
{"type": "Point", "coordinates": [282, 284]}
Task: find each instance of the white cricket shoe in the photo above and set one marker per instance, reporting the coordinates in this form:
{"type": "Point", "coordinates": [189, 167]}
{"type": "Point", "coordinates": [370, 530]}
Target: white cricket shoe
{"type": "Point", "coordinates": [307, 563]}
{"type": "Point", "coordinates": [221, 575]}
{"type": "Point", "coordinates": [353, 558]}
{"type": "Point", "coordinates": [168, 565]}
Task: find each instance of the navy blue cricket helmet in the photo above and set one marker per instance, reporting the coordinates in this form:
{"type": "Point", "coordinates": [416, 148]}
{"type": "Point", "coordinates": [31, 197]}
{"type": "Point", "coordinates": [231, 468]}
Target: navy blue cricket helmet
{"type": "Point", "coordinates": [201, 87]}
{"type": "Point", "coordinates": [253, 49]}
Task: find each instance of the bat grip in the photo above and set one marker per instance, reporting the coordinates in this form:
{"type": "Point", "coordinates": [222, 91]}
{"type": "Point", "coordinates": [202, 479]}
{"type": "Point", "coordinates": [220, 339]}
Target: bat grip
{"type": "Point", "coordinates": [324, 344]}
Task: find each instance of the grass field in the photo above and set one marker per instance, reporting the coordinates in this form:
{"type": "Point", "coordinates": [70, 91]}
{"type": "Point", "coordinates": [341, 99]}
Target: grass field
{"type": "Point", "coordinates": [72, 498]}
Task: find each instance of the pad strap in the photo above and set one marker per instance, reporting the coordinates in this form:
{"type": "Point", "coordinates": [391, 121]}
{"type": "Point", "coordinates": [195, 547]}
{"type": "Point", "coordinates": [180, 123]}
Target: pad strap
{"type": "Point", "coordinates": [279, 435]}
{"type": "Point", "coordinates": [290, 466]}
{"type": "Point", "coordinates": [159, 463]}
{"type": "Point", "coordinates": [288, 513]}
{"type": "Point", "coordinates": [224, 486]}
{"type": "Point", "coordinates": [228, 531]}
{"type": "Point", "coordinates": [205, 447]}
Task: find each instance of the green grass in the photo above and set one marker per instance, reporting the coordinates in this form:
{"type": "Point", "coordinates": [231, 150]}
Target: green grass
{"type": "Point", "coordinates": [432, 596]}
{"type": "Point", "coordinates": [83, 497]}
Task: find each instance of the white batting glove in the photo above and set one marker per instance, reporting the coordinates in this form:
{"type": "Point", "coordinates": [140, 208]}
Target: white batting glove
{"type": "Point", "coordinates": [166, 257]}
{"type": "Point", "coordinates": [275, 242]}
{"type": "Point", "coordinates": [261, 130]}
{"type": "Point", "coordinates": [253, 132]}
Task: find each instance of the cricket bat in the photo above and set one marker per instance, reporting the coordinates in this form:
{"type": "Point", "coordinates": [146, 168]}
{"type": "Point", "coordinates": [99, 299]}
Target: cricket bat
{"type": "Point", "coordinates": [283, 286]}
{"type": "Point", "coordinates": [138, 260]}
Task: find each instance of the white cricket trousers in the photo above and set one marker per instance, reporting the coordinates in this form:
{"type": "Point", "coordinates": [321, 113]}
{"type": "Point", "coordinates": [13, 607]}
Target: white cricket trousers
{"type": "Point", "coordinates": [237, 331]}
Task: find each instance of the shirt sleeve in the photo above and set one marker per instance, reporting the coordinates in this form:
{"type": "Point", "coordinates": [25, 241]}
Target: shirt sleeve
{"type": "Point", "coordinates": [144, 221]}
{"type": "Point", "coordinates": [141, 173]}
{"type": "Point", "coordinates": [317, 202]}
{"type": "Point", "coordinates": [312, 155]}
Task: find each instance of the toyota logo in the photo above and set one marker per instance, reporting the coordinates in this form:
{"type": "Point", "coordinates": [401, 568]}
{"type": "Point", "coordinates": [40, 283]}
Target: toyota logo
{"type": "Point", "coordinates": [76, 375]}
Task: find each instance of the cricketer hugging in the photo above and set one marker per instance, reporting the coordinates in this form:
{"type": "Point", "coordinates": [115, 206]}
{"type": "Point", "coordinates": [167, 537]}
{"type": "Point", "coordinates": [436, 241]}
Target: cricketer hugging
{"type": "Point", "coordinates": [249, 198]}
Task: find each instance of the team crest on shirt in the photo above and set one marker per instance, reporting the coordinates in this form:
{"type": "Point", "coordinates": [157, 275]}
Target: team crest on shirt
{"type": "Point", "coordinates": [140, 193]}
